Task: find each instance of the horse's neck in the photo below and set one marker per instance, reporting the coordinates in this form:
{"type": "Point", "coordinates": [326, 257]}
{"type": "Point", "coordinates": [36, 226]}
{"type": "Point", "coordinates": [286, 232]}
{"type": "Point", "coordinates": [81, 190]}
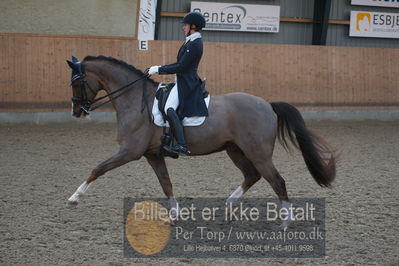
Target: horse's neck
{"type": "Point", "coordinates": [128, 106]}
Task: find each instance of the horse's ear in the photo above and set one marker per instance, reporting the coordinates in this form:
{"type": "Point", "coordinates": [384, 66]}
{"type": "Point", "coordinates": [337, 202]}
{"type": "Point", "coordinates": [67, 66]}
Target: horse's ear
{"type": "Point", "coordinates": [71, 65]}
{"type": "Point", "coordinates": [74, 59]}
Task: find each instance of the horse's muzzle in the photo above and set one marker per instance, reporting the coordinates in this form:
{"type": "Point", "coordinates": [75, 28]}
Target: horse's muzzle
{"type": "Point", "coordinates": [80, 106]}
{"type": "Point", "coordinates": [77, 114]}
{"type": "Point", "coordinates": [79, 110]}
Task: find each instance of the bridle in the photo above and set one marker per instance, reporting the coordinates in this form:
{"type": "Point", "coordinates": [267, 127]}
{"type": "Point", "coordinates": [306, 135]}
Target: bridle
{"type": "Point", "coordinates": [84, 101]}
{"type": "Point", "coordinates": [86, 104]}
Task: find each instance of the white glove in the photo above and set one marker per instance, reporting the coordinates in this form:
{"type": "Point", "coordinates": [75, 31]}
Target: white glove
{"type": "Point", "coordinates": [153, 70]}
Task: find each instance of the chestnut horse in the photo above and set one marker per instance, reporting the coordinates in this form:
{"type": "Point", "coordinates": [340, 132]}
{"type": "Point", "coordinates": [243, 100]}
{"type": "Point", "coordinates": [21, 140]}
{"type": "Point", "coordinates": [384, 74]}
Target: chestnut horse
{"type": "Point", "coordinates": [243, 125]}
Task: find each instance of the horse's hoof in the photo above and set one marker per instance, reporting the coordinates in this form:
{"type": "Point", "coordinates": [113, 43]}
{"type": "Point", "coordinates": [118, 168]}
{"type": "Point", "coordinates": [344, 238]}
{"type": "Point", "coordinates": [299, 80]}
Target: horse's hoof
{"type": "Point", "coordinates": [171, 222]}
{"type": "Point", "coordinates": [230, 200]}
{"type": "Point", "coordinates": [283, 228]}
{"type": "Point", "coordinates": [284, 225]}
{"type": "Point", "coordinates": [174, 213]}
{"type": "Point", "coordinates": [72, 203]}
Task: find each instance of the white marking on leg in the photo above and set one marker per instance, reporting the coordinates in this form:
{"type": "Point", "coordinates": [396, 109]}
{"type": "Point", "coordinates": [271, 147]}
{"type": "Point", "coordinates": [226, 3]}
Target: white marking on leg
{"type": "Point", "coordinates": [235, 195]}
{"type": "Point", "coordinates": [80, 191]}
{"type": "Point", "coordinates": [174, 208]}
{"type": "Point", "coordinates": [287, 205]}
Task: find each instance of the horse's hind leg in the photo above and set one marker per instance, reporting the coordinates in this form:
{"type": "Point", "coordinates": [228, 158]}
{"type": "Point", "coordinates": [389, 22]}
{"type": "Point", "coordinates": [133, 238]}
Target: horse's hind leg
{"type": "Point", "coordinates": [259, 165]}
{"type": "Point", "coordinates": [251, 175]}
{"type": "Point", "coordinates": [276, 181]}
{"type": "Point", "coordinates": [273, 177]}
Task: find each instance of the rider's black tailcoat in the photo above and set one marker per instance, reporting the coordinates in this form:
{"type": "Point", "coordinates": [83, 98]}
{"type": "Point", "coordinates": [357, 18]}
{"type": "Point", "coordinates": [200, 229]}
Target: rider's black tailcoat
{"type": "Point", "coordinates": [191, 99]}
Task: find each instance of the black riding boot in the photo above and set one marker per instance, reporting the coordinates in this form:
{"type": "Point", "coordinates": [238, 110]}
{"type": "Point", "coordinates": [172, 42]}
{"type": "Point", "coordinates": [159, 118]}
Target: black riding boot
{"type": "Point", "coordinates": [177, 128]}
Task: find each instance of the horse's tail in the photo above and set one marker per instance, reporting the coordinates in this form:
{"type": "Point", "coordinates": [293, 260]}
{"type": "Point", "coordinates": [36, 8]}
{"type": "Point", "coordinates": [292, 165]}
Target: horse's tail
{"type": "Point", "coordinates": [319, 158]}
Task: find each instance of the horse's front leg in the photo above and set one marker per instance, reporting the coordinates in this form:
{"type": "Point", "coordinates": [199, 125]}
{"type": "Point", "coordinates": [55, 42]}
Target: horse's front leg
{"type": "Point", "coordinates": [159, 166]}
{"type": "Point", "coordinates": [122, 157]}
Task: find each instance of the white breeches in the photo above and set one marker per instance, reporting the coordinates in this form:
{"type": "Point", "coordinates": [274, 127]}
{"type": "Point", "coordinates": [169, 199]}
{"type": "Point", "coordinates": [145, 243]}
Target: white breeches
{"type": "Point", "coordinates": [173, 99]}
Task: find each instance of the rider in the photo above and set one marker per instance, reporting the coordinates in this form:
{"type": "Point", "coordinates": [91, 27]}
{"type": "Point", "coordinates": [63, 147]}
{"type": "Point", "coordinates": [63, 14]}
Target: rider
{"type": "Point", "coordinates": [187, 93]}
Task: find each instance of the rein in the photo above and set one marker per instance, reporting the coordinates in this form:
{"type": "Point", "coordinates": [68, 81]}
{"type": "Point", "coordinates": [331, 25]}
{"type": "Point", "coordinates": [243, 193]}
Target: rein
{"type": "Point", "coordinates": [112, 93]}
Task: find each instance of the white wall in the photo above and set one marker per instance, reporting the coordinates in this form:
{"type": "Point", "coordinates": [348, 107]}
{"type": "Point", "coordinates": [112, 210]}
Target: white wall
{"type": "Point", "coordinates": [80, 17]}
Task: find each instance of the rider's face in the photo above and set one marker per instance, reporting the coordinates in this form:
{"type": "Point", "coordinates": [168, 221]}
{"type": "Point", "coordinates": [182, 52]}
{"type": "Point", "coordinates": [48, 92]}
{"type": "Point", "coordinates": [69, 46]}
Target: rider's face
{"type": "Point", "coordinates": [186, 29]}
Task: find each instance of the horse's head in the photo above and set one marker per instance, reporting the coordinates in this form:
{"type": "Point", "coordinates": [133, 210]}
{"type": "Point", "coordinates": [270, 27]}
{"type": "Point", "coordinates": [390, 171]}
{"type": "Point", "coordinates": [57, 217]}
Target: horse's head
{"type": "Point", "coordinates": [84, 88]}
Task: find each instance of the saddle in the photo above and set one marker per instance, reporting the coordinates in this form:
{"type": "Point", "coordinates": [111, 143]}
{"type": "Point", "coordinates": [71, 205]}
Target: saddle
{"type": "Point", "coordinates": [163, 92]}
{"type": "Point", "coordinates": [162, 95]}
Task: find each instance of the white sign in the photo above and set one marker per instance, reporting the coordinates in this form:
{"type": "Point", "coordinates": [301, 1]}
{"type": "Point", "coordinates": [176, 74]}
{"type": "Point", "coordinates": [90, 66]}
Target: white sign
{"type": "Point", "coordinates": [146, 27]}
{"type": "Point", "coordinates": [374, 24]}
{"type": "Point", "coordinates": [239, 17]}
{"type": "Point", "coordinates": [387, 3]}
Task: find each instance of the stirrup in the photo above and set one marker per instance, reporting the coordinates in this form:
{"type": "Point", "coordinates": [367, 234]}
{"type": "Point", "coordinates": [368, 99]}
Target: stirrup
{"type": "Point", "coordinates": [177, 149]}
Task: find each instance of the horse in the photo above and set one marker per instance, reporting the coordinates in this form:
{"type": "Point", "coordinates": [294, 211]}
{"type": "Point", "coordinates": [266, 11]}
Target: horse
{"type": "Point", "coordinates": [243, 125]}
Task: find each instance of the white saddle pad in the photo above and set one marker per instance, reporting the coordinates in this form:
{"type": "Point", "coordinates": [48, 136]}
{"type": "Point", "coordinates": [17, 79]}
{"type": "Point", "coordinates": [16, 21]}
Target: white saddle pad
{"type": "Point", "coordinates": [187, 121]}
